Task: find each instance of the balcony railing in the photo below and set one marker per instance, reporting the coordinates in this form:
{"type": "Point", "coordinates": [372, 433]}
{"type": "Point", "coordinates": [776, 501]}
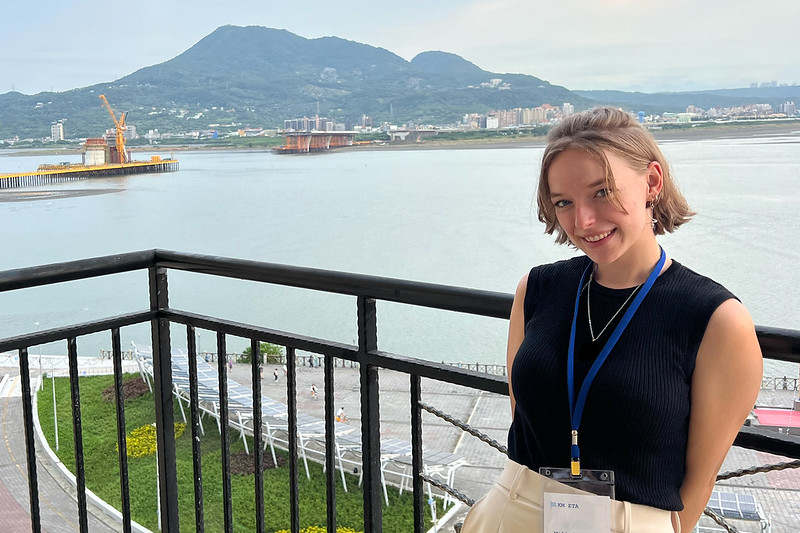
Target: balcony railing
{"type": "Point", "coordinates": [779, 344]}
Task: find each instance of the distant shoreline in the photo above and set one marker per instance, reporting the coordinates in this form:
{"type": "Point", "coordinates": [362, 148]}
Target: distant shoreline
{"type": "Point", "coordinates": [670, 133]}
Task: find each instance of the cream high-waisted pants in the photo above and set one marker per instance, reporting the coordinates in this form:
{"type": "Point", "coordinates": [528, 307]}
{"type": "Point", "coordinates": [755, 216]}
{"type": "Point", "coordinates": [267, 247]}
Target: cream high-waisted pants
{"type": "Point", "coordinates": [514, 505]}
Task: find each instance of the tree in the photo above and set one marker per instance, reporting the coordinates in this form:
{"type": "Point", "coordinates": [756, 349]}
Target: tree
{"type": "Point", "coordinates": [273, 352]}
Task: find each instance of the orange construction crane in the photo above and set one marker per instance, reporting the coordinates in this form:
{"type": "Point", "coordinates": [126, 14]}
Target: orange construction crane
{"type": "Point", "coordinates": [119, 124]}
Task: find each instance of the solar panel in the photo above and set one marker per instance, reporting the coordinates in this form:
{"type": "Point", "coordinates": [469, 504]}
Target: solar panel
{"type": "Point", "coordinates": [733, 505]}
{"type": "Point", "coordinates": [276, 414]}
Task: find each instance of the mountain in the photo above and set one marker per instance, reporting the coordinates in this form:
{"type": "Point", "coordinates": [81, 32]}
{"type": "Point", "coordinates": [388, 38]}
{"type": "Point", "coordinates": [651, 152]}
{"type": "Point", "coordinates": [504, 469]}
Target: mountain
{"type": "Point", "coordinates": [256, 76]}
{"type": "Point", "coordinates": [679, 101]}
{"type": "Point", "coordinates": [253, 76]}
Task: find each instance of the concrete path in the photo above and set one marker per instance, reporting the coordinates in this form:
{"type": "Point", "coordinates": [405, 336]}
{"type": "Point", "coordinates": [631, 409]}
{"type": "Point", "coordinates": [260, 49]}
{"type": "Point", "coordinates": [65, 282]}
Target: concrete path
{"type": "Point", "coordinates": [57, 499]}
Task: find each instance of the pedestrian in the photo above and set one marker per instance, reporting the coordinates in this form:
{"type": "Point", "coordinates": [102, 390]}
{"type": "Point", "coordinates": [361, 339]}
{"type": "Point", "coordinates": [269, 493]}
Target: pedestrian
{"type": "Point", "coordinates": [230, 364]}
{"type": "Point", "coordinates": [313, 392]}
{"type": "Point", "coordinates": [285, 371]}
{"type": "Point", "coordinates": [340, 416]}
{"type": "Point", "coordinates": [623, 364]}
{"type": "Point", "coordinates": [261, 371]}
{"type": "Point", "coordinates": [275, 374]}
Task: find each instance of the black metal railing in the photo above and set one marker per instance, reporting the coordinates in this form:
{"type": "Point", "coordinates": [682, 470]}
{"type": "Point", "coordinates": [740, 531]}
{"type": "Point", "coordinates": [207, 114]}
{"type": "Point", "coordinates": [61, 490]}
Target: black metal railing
{"type": "Point", "coordinates": [777, 344]}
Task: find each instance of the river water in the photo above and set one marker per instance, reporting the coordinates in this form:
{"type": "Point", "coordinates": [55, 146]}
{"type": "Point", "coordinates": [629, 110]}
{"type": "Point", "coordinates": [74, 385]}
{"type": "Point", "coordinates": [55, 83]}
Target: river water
{"type": "Point", "coordinates": [460, 217]}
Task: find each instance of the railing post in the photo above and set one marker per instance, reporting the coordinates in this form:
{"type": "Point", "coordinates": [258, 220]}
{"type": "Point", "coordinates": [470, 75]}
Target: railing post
{"type": "Point", "coordinates": [197, 468]}
{"type": "Point", "coordinates": [258, 448]}
{"type": "Point", "coordinates": [30, 448]}
{"type": "Point", "coordinates": [162, 390]}
{"type": "Point", "coordinates": [224, 420]}
{"type": "Point", "coordinates": [416, 452]}
{"type": "Point", "coordinates": [370, 415]}
{"type": "Point", "coordinates": [77, 434]}
{"type": "Point", "coordinates": [116, 346]}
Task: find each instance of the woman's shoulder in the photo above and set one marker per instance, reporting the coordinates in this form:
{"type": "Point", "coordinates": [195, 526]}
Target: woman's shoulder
{"type": "Point", "coordinates": [559, 269]}
{"type": "Point", "coordinates": [684, 287]}
{"type": "Point", "coordinates": [541, 278]}
{"type": "Point", "coordinates": [687, 279]}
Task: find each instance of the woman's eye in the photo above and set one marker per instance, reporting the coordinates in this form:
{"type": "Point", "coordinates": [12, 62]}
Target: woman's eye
{"type": "Point", "coordinates": [561, 203]}
{"type": "Point", "coordinates": [602, 193]}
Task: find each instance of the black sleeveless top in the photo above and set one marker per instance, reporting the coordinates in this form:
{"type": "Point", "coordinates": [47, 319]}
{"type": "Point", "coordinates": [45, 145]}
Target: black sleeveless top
{"type": "Point", "coordinates": [636, 418]}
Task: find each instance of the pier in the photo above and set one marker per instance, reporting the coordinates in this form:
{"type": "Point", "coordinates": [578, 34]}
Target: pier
{"type": "Point", "coordinates": [304, 142]}
{"type": "Point", "coordinates": [48, 174]}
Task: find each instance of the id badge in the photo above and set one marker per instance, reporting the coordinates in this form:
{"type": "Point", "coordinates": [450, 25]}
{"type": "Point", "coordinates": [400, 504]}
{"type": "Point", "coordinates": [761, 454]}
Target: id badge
{"type": "Point", "coordinates": [576, 513]}
{"type": "Point", "coordinates": [599, 482]}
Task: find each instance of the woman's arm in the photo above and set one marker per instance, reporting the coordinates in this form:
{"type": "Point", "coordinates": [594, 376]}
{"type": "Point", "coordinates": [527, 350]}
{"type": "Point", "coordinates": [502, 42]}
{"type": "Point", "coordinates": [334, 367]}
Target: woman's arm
{"type": "Point", "coordinates": [516, 332]}
{"type": "Point", "coordinates": [725, 385]}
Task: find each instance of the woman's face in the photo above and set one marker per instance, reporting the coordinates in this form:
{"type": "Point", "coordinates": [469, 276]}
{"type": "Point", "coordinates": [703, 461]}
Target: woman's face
{"type": "Point", "coordinates": [584, 210]}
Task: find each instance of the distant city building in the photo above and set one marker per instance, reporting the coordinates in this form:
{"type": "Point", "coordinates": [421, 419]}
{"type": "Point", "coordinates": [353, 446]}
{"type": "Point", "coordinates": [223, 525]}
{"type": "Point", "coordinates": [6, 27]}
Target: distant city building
{"type": "Point", "coordinates": [789, 108]}
{"type": "Point", "coordinates": [57, 131]}
{"type": "Point", "coordinates": [567, 109]}
{"type": "Point", "coordinates": [129, 134]}
{"type": "Point", "coordinates": [307, 124]}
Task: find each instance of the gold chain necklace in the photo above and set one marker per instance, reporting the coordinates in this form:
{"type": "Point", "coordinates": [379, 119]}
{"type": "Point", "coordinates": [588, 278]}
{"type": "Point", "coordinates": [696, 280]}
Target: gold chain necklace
{"type": "Point", "coordinates": [589, 308]}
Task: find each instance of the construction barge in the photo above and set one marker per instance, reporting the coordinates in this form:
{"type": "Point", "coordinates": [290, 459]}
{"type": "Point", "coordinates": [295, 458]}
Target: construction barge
{"type": "Point", "coordinates": [99, 159]}
{"type": "Point", "coordinates": [48, 174]}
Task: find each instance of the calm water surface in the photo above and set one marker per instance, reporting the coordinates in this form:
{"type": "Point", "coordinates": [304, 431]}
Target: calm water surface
{"type": "Point", "coordinates": [458, 217]}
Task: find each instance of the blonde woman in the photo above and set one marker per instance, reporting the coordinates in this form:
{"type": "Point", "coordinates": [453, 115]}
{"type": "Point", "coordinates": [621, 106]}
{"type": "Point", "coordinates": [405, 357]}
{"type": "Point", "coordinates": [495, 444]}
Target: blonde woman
{"type": "Point", "coordinates": [629, 374]}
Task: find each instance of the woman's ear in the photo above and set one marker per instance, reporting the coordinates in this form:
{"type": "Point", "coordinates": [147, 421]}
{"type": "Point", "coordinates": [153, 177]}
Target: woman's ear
{"type": "Point", "coordinates": [655, 179]}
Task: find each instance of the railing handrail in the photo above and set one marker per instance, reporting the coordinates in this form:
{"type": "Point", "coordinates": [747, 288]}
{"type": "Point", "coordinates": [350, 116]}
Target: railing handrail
{"type": "Point", "coordinates": [437, 296]}
{"type": "Point", "coordinates": [776, 343]}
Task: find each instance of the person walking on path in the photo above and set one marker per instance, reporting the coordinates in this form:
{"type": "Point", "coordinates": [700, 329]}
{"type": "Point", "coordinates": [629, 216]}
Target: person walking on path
{"type": "Point", "coordinates": [313, 392]}
{"type": "Point", "coordinates": [275, 374]}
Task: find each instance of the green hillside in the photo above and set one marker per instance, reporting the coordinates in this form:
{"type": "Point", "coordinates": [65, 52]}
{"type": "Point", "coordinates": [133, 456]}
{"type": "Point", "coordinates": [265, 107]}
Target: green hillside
{"type": "Point", "coordinates": [256, 76]}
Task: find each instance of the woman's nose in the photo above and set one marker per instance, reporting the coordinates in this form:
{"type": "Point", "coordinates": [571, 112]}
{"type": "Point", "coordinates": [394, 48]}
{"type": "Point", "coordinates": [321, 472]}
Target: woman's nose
{"type": "Point", "coordinates": [584, 216]}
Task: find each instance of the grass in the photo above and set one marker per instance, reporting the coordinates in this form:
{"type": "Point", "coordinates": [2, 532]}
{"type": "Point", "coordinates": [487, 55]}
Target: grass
{"type": "Point", "coordinates": [102, 470]}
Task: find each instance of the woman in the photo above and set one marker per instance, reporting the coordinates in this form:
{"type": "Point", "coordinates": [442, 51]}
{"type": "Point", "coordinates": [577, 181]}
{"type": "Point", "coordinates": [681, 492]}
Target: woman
{"type": "Point", "coordinates": [621, 360]}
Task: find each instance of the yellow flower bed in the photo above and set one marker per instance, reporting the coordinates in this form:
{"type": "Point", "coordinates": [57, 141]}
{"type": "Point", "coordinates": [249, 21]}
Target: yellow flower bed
{"type": "Point", "coordinates": [141, 441]}
{"type": "Point", "coordinates": [322, 529]}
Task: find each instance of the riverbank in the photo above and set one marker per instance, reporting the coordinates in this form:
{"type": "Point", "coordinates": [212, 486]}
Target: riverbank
{"type": "Point", "coordinates": [670, 132]}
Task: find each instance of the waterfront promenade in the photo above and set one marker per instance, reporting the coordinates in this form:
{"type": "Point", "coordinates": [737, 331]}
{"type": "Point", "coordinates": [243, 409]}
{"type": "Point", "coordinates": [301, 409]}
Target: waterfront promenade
{"type": "Point", "coordinates": [778, 493]}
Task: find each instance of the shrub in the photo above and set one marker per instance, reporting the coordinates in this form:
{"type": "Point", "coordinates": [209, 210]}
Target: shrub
{"type": "Point", "coordinates": [141, 441]}
{"type": "Point", "coordinates": [322, 529]}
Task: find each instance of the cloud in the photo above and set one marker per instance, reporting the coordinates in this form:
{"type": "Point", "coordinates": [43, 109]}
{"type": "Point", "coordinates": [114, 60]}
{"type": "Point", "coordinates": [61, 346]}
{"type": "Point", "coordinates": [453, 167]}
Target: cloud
{"type": "Point", "coordinates": [612, 44]}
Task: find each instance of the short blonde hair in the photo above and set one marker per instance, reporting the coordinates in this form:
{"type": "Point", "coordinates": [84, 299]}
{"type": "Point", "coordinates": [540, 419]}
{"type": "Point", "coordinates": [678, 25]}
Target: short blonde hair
{"type": "Point", "coordinates": [598, 130]}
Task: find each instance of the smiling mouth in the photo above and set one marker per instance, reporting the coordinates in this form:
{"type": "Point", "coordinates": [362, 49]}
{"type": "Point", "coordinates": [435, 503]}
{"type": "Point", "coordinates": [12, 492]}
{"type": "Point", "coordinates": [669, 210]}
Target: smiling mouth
{"type": "Point", "coordinates": [598, 238]}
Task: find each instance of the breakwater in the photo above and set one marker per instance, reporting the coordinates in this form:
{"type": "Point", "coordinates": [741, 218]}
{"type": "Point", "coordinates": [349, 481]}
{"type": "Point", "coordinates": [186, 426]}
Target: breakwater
{"type": "Point", "coordinates": [50, 174]}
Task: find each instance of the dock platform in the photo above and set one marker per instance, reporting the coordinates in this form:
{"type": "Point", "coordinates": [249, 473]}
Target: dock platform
{"type": "Point", "coordinates": [48, 174]}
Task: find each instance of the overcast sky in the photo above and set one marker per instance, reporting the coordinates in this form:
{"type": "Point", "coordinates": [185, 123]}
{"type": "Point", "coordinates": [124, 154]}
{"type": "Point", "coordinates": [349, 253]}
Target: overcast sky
{"type": "Point", "coordinates": [642, 45]}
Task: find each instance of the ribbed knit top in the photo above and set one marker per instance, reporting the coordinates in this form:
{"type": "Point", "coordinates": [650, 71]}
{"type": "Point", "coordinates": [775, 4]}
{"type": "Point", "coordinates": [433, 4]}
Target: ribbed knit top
{"type": "Point", "coordinates": [636, 418]}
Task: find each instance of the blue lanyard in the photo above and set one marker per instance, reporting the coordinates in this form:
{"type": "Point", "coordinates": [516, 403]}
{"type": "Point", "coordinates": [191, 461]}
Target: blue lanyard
{"type": "Point", "coordinates": [576, 408]}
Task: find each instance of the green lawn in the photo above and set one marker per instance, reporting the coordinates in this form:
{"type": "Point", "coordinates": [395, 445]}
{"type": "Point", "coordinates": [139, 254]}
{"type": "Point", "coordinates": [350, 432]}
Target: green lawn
{"type": "Point", "coordinates": [102, 470]}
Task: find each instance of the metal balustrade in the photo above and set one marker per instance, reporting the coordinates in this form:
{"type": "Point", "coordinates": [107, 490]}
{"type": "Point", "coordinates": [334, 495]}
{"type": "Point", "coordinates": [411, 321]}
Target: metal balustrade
{"type": "Point", "coordinates": [779, 344]}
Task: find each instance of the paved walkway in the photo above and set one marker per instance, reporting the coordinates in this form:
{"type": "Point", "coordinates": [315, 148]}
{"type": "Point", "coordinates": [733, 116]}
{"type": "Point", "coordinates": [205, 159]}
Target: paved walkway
{"type": "Point", "coordinates": [57, 499]}
{"type": "Point", "coordinates": [778, 492]}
